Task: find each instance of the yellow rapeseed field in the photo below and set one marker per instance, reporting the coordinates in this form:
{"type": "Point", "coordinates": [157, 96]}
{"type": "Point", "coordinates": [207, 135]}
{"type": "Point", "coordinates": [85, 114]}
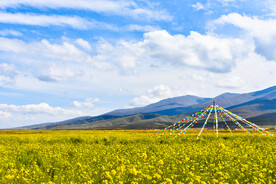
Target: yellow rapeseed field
{"type": "Point", "coordinates": [135, 157]}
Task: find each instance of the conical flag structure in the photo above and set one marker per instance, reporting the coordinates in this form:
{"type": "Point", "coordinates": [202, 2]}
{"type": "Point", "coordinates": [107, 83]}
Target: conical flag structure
{"type": "Point", "coordinates": [182, 127]}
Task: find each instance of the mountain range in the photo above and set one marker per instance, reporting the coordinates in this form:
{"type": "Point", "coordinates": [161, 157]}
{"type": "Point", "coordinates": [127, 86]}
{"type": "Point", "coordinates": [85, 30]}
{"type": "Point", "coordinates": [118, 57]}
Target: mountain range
{"type": "Point", "coordinates": [258, 107]}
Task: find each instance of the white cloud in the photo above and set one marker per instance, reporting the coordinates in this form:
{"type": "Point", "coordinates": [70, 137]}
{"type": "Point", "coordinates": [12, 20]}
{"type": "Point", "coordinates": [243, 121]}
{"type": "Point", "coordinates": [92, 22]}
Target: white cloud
{"type": "Point", "coordinates": [230, 82]}
{"type": "Point", "coordinates": [21, 115]}
{"type": "Point", "coordinates": [198, 6]}
{"type": "Point", "coordinates": [197, 77]}
{"type": "Point", "coordinates": [7, 74]}
{"type": "Point", "coordinates": [5, 114]}
{"type": "Point", "coordinates": [42, 108]}
{"type": "Point", "coordinates": [253, 25]}
{"type": "Point", "coordinates": [70, 59]}
{"type": "Point", "coordinates": [121, 7]}
{"type": "Point", "coordinates": [52, 73]}
{"type": "Point", "coordinates": [155, 94]}
{"type": "Point", "coordinates": [84, 44]}
{"type": "Point", "coordinates": [52, 20]}
{"type": "Point", "coordinates": [159, 55]}
{"type": "Point", "coordinates": [263, 31]}
{"type": "Point", "coordinates": [143, 28]}
{"type": "Point", "coordinates": [7, 32]}
{"type": "Point", "coordinates": [89, 102]}
{"type": "Point", "coordinates": [271, 5]}
{"type": "Point", "coordinates": [226, 1]}
{"type": "Point", "coordinates": [44, 20]}
{"type": "Point", "coordinates": [65, 51]}
{"type": "Point", "coordinates": [196, 50]}
{"type": "Point", "coordinates": [251, 74]}
{"type": "Point", "coordinates": [46, 61]}
{"type": "Point", "coordinates": [12, 45]}
{"type": "Point", "coordinates": [123, 56]}
{"type": "Point", "coordinates": [49, 61]}
{"type": "Point", "coordinates": [208, 52]}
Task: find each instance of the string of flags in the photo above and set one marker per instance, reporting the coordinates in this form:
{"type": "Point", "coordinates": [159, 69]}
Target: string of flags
{"type": "Point", "coordinates": [182, 127]}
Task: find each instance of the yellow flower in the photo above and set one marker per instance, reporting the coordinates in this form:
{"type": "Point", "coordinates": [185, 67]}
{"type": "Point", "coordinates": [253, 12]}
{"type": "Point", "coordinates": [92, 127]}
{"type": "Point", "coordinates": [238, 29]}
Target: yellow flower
{"type": "Point", "coordinates": [168, 181]}
{"type": "Point", "coordinates": [107, 175]}
{"type": "Point", "coordinates": [105, 182]}
{"type": "Point", "coordinates": [144, 155]}
{"type": "Point", "coordinates": [157, 176]}
{"type": "Point", "coordinates": [134, 171]}
{"type": "Point", "coordinates": [9, 176]}
{"type": "Point", "coordinates": [148, 177]}
{"type": "Point", "coordinates": [221, 145]}
{"type": "Point", "coordinates": [113, 172]}
{"type": "Point", "coordinates": [215, 181]}
{"type": "Point", "coordinates": [160, 162]}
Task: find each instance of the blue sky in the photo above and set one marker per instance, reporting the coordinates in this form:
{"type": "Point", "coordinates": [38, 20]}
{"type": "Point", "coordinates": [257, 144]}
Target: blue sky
{"type": "Point", "coordinates": [63, 59]}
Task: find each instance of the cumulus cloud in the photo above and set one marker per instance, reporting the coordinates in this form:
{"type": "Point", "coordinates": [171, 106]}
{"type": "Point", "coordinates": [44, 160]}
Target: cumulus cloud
{"type": "Point", "coordinates": [155, 94]}
{"type": "Point", "coordinates": [208, 52]}
{"type": "Point", "coordinates": [121, 7]}
{"type": "Point", "coordinates": [88, 103]}
{"type": "Point", "coordinates": [195, 50]}
{"type": "Point", "coordinates": [67, 59]}
{"type": "Point", "coordinates": [263, 31]}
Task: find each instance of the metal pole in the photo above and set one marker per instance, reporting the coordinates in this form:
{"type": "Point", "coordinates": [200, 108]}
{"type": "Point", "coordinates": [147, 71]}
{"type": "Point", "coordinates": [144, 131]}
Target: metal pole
{"type": "Point", "coordinates": [216, 115]}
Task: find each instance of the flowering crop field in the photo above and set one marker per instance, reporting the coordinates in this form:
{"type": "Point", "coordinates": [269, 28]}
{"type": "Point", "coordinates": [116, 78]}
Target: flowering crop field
{"type": "Point", "coordinates": [135, 157]}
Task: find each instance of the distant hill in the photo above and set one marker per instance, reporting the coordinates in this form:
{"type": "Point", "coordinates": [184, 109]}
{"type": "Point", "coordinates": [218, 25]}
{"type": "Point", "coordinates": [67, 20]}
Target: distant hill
{"type": "Point", "coordinates": [264, 119]}
{"type": "Point", "coordinates": [75, 122]}
{"type": "Point", "coordinates": [163, 105]}
{"type": "Point", "coordinates": [259, 107]}
{"type": "Point", "coordinates": [139, 121]}
{"type": "Point", "coordinates": [53, 124]}
{"type": "Point", "coordinates": [255, 107]}
{"type": "Point", "coordinates": [225, 100]}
